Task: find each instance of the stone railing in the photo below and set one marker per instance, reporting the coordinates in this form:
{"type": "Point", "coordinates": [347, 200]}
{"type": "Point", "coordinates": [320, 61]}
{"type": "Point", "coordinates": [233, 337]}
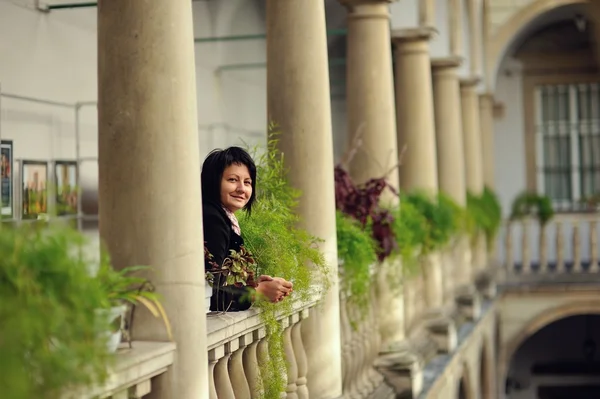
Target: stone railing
{"type": "Point", "coordinates": [360, 347]}
{"type": "Point", "coordinates": [132, 375]}
{"type": "Point", "coordinates": [566, 245]}
{"type": "Point", "coordinates": [237, 345]}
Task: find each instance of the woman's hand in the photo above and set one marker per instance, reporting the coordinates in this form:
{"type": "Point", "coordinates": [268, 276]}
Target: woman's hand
{"type": "Point", "coordinates": [274, 288]}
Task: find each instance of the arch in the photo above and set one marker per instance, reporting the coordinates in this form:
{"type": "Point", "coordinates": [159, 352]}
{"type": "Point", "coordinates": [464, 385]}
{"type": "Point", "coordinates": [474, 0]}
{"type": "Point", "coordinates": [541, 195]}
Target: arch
{"type": "Point", "coordinates": [548, 317]}
{"type": "Point", "coordinates": [464, 388]}
{"type": "Point", "coordinates": [486, 370]}
{"type": "Point", "coordinates": [506, 34]}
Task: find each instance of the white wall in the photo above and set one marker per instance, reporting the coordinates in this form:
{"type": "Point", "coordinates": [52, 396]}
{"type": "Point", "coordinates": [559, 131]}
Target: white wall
{"type": "Point", "coordinates": [339, 126]}
{"type": "Point", "coordinates": [440, 43]}
{"type": "Point", "coordinates": [465, 67]}
{"type": "Point", "coordinates": [53, 56]}
{"type": "Point", "coordinates": [404, 14]}
{"type": "Point", "coordinates": [509, 136]}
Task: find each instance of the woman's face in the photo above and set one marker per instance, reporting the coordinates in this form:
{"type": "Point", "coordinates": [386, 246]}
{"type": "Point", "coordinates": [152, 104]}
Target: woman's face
{"type": "Point", "coordinates": [236, 187]}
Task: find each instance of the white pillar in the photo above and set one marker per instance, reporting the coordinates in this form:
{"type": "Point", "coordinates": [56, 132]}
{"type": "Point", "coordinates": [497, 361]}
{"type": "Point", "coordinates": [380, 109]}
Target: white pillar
{"type": "Point", "coordinates": [149, 173]}
{"type": "Point", "coordinates": [298, 101]}
{"type": "Point", "coordinates": [370, 92]}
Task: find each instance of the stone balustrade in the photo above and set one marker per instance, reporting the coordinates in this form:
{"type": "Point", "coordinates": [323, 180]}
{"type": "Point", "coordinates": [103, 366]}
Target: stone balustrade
{"type": "Point", "coordinates": [361, 343]}
{"type": "Point", "coordinates": [238, 345]}
{"type": "Point", "coordinates": [131, 377]}
{"type": "Point", "coordinates": [566, 247]}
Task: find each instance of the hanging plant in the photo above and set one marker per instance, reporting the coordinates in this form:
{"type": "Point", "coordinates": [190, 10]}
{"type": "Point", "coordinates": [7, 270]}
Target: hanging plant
{"type": "Point", "coordinates": [52, 337]}
{"type": "Point", "coordinates": [484, 215]}
{"type": "Point", "coordinates": [533, 205]}
{"type": "Point", "coordinates": [275, 245]}
{"type": "Point", "coordinates": [442, 217]}
{"type": "Point", "coordinates": [362, 203]}
{"type": "Point", "coordinates": [356, 252]}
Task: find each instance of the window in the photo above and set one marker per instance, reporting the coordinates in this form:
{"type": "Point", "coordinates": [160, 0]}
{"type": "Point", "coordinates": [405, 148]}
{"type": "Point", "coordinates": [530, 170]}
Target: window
{"type": "Point", "coordinates": [568, 142]}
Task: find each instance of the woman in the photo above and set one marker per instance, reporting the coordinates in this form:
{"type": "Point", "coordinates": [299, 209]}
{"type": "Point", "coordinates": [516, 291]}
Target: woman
{"type": "Point", "coordinates": [228, 185]}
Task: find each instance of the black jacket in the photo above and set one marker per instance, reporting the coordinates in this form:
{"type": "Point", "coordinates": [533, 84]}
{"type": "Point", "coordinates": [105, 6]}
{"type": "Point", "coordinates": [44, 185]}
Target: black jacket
{"type": "Point", "coordinates": [220, 238]}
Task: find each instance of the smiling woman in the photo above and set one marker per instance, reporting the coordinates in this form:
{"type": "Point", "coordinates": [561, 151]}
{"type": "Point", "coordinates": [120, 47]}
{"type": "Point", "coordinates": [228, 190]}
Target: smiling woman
{"type": "Point", "coordinates": [229, 185]}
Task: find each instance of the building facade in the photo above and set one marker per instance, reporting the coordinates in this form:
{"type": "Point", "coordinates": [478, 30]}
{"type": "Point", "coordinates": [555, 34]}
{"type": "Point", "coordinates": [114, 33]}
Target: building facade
{"type": "Point", "coordinates": [468, 94]}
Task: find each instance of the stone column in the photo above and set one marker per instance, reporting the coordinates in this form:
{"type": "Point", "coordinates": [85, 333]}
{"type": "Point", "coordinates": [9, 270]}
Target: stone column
{"type": "Point", "coordinates": [427, 13]}
{"type": "Point", "coordinates": [449, 128]}
{"type": "Point", "coordinates": [370, 96]}
{"type": "Point", "coordinates": [472, 135]}
{"type": "Point", "coordinates": [473, 157]}
{"type": "Point", "coordinates": [149, 173]}
{"type": "Point", "coordinates": [486, 111]}
{"type": "Point", "coordinates": [416, 132]}
{"type": "Point", "coordinates": [450, 151]}
{"type": "Point", "coordinates": [414, 110]}
{"type": "Point", "coordinates": [298, 101]}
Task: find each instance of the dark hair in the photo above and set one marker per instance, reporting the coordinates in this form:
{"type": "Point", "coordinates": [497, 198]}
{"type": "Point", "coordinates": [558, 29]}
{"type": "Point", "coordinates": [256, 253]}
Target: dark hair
{"type": "Point", "coordinates": [212, 173]}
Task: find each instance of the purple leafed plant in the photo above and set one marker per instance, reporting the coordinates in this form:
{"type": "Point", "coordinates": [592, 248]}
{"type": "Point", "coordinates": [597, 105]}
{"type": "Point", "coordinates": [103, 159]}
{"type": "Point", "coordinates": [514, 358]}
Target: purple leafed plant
{"type": "Point", "coordinates": [362, 203]}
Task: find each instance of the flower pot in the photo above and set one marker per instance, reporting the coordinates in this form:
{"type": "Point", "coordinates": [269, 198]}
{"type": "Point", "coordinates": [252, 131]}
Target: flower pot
{"type": "Point", "coordinates": [207, 295]}
{"type": "Point", "coordinates": [116, 317]}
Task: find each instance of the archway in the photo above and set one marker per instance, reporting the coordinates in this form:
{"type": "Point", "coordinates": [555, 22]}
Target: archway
{"type": "Point", "coordinates": [550, 50]}
{"type": "Point", "coordinates": [541, 368]}
{"type": "Point", "coordinates": [521, 25]}
{"type": "Point", "coordinates": [465, 388]}
{"type": "Point", "coordinates": [485, 383]}
{"type": "Point", "coordinates": [462, 391]}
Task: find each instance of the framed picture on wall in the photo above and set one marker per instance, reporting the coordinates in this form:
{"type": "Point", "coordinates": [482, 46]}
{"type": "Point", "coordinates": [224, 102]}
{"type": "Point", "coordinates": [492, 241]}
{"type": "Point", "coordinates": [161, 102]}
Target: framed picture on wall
{"type": "Point", "coordinates": [6, 179]}
{"type": "Point", "coordinates": [65, 181]}
{"type": "Point", "coordinates": [34, 177]}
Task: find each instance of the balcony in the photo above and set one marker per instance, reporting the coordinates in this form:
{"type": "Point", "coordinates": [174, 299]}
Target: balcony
{"type": "Point", "coordinates": [565, 250]}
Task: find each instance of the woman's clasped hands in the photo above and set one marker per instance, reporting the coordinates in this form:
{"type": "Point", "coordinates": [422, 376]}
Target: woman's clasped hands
{"type": "Point", "coordinates": [274, 289]}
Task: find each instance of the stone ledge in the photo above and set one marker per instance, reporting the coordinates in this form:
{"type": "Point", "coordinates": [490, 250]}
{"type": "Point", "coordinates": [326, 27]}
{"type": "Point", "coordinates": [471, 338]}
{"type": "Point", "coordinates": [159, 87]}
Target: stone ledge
{"type": "Point", "coordinates": [134, 369]}
{"type": "Point", "coordinates": [223, 327]}
{"type": "Point", "coordinates": [443, 332]}
{"type": "Point", "coordinates": [469, 304]}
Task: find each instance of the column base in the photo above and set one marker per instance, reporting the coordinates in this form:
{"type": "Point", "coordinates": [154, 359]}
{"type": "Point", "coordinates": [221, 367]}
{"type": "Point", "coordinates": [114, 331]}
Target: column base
{"type": "Point", "coordinates": [486, 284]}
{"type": "Point", "coordinates": [443, 332]}
{"type": "Point", "coordinates": [469, 304]}
{"type": "Point", "coordinates": [402, 369]}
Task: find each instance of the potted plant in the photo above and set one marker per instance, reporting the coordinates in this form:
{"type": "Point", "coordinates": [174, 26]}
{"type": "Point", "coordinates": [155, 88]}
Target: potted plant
{"type": "Point", "coordinates": [51, 337]}
{"type": "Point", "coordinates": [126, 288]}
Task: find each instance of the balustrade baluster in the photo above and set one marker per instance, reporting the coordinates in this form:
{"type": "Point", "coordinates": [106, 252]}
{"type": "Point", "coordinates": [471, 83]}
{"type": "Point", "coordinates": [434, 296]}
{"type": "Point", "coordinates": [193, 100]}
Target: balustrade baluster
{"type": "Point", "coordinates": [346, 336]}
{"type": "Point", "coordinates": [577, 268]}
{"type": "Point", "coordinates": [361, 350]}
{"type": "Point", "coordinates": [594, 266]}
{"type": "Point", "coordinates": [213, 358]}
{"type": "Point", "coordinates": [241, 387]}
{"type": "Point", "coordinates": [560, 248]}
{"type": "Point", "coordinates": [508, 245]}
{"type": "Point", "coordinates": [525, 250]}
{"type": "Point", "coordinates": [543, 250]}
{"type": "Point", "coordinates": [223, 384]}
{"type": "Point", "coordinates": [301, 361]}
{"type": "Point", "coordinates": [290, 357]}
{"type": "Point", "coordinates": [251, 366]}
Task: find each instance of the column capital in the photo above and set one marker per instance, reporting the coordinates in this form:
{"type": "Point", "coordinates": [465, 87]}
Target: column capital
{"type": "Point", "coordinates": [470, 82]}
{"type": "Point", "coordinates": [452, 61]}
{"type": "Point", "coordinates": [412, 34]}
{"type": "Point", "coordinates": [350, 3]}
{"type": "Point", "coordinates": [367, 9]}
{"type": "Point", "coordinates": [488, 95]}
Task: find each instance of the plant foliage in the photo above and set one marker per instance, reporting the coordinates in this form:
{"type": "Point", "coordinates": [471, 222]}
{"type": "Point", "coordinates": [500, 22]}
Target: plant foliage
{"type": "Point", "coordinates": [281, 248]}
{"type": "Point", "coordinates": [51, 337]}
{"type": "Point", "coordinates": [356, 251]}
{"type": "Point", "coordinates": [442, 217]}
{"type": "Point", "coordinates": [484, 215]}
{"type": "Point", "coordinates": [530, 204]}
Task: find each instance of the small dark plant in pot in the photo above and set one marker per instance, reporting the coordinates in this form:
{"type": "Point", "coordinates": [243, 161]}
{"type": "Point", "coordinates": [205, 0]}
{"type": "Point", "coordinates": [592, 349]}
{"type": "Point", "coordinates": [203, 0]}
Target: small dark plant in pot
{"type": "Point", "coordinates": [126, 289]}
